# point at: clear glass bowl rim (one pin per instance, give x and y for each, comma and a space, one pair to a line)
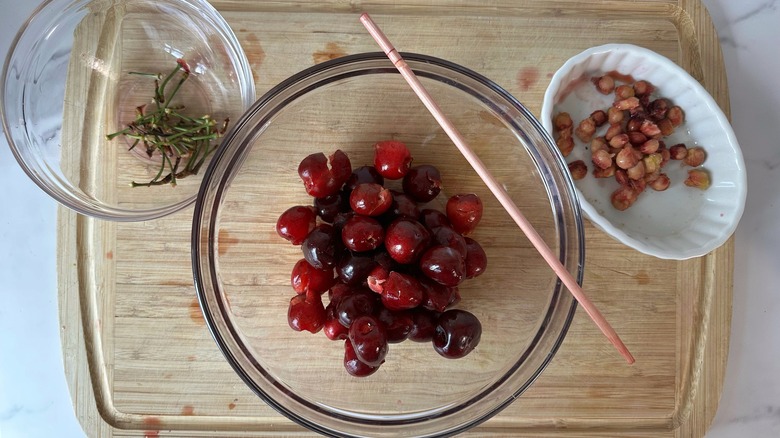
233, 141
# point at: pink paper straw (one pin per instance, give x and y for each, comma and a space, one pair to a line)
495, 187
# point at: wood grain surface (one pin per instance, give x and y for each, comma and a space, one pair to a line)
140, 362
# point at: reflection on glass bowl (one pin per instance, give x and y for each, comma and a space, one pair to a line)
242, 267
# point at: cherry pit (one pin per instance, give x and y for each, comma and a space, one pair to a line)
389, 262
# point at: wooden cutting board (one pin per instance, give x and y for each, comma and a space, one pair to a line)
139, 360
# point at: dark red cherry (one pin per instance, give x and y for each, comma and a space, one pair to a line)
355, 305
433, 218
404, 206
362, 233
296, 223
446, 236
457, 333
476, 259
406, 239
321, 179
385, 260
341, 219
436, 297
333, 329
423, 325
353, 365
464, 212
338, 292
422, 183
401, 292
354, 269
369, 340
392, 159
307, 278
370, 199
306, 312
364, 174
443, 265
397, 324
454, 297
377, 278
322, 248
328, 207
341, 167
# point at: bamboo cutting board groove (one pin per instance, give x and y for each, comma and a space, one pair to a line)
138, 357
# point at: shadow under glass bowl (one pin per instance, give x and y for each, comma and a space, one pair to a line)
242, 267
67, 84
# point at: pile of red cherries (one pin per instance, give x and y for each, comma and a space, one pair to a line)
391, 268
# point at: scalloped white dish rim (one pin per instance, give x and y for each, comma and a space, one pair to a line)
721, 205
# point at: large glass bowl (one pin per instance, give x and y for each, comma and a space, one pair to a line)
67, 84
242, 267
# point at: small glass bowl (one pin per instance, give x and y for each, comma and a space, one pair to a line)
242, 267
66, 85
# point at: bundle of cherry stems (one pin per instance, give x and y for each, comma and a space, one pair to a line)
495, 187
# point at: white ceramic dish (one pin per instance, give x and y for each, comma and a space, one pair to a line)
681, 222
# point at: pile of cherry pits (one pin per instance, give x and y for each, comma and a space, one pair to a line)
390, 267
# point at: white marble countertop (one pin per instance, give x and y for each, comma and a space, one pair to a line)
34, 400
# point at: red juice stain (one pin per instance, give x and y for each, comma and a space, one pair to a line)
110, 255
616, 75
642, 277
572, 85
152, 422
254, 52
332, 51
187, 410
231, 406
527, 77
225, 241
195, 314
